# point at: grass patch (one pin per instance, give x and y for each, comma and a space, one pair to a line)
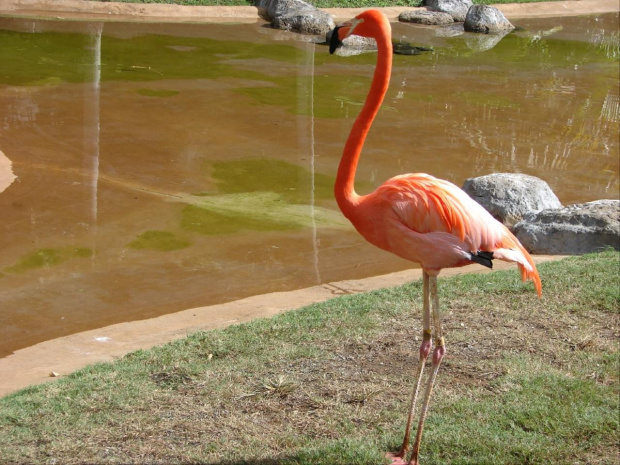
525, 381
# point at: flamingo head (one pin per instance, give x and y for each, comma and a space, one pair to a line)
370, 23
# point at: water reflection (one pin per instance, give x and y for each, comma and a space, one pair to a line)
162, 167
483, 42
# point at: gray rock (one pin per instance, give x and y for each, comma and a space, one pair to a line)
429, 18
575, 229
295, 15
455, 8
269, 9
308, 22
510, 196
487, 20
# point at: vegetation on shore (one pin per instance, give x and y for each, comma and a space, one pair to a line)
525, 380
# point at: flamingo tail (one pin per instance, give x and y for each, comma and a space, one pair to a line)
512, 251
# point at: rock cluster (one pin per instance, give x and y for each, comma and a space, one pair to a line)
297, 15
529, 207
477, 18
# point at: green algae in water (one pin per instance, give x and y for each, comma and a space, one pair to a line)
43, 58
157, 92
159, 240
37, 259
47, 257
486, 99
304, 96
35, 58
527, 52
261, 194
258, 211
291, 181
81, 252
51, 57
203, 220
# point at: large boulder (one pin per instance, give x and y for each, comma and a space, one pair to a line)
429, 18
510, 196
575, 229
307, 22
295, 15
487, 20
455, 8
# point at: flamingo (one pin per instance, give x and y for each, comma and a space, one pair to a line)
419, 218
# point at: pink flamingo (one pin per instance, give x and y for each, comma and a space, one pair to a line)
417, 217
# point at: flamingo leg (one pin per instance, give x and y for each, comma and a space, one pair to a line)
438, 354
425, 349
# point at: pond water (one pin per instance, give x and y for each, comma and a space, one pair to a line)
150, 168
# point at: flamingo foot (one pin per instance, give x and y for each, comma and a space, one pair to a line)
396, 460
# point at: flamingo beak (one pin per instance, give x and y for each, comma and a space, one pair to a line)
341, 32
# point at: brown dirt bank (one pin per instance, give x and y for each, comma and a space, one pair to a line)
111, 11
34, 364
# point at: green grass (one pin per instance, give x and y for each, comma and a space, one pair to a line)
525, 381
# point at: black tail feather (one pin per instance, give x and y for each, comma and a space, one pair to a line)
483, 258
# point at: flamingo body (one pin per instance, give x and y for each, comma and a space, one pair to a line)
434, 223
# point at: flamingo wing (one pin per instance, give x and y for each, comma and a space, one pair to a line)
438, 217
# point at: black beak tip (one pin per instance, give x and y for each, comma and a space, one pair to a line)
334, 41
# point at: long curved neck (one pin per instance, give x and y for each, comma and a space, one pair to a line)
344, 189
